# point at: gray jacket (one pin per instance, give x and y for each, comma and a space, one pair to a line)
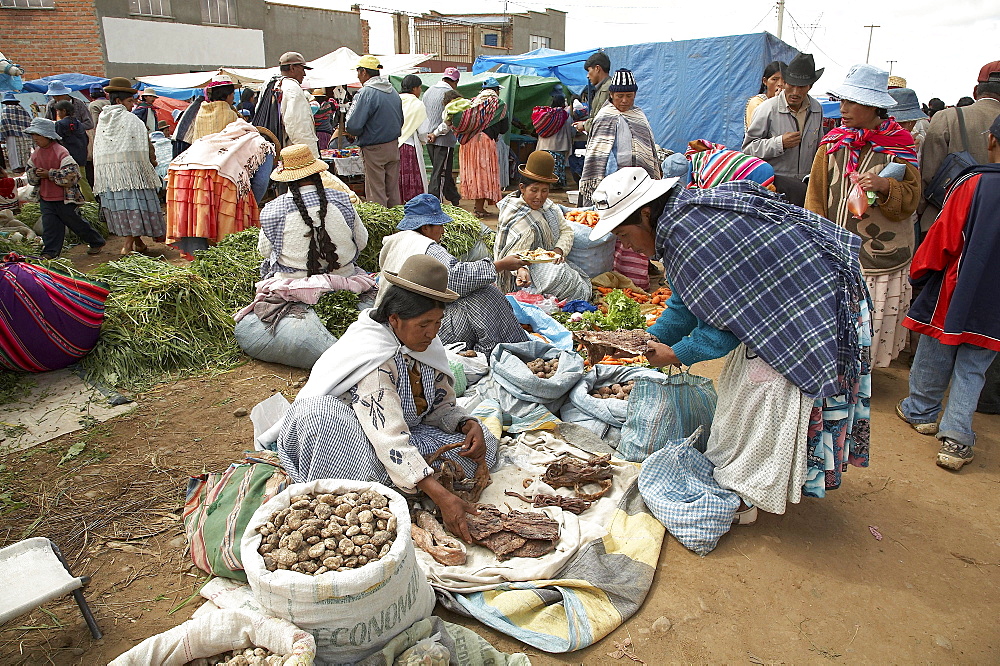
770, 121
433, 102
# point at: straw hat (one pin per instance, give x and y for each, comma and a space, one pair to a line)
424, 275
897, 82
269, 135
119, 84
148, 92
297, 162
540, 166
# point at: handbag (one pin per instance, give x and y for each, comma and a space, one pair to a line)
951, 167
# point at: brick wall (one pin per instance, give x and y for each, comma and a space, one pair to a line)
53, 41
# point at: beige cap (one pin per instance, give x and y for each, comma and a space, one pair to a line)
293, 58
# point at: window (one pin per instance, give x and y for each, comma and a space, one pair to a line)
456, 43
536, 42
27, 4
149, 7
219, 12
491, 39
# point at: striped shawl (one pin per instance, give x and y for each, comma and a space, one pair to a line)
603, 135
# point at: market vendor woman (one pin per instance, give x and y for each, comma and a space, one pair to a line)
481, 318
382, 400
778, 291
529, 220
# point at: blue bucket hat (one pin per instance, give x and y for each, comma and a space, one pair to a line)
420, 210
867, 85
57, 87
907, 107
43, 127
8, 98
491, 82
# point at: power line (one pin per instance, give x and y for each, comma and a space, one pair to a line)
812, 41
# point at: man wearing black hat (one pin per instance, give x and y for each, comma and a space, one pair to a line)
598, 65
786, 129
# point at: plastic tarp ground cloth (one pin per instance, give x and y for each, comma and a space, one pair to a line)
567, 67
698, 88
70, 80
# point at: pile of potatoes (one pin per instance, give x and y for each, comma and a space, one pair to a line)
317, 534
248, 657
615, 391
542, 368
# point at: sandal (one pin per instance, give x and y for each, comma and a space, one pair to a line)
139, 247
479, 213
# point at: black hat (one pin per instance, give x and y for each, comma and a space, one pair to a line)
995, 128
598, 58
801, 71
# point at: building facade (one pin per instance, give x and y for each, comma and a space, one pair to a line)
459, 39
147, 37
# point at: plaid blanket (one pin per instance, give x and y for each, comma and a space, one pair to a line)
785, 281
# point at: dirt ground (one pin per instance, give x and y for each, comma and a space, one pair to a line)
812, 585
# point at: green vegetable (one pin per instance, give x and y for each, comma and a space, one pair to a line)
159, 320
337, 310
623, 312
232, 267
30, 214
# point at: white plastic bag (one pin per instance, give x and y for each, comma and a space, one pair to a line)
221, 631
351, 614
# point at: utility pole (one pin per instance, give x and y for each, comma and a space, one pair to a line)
891, 62
781, 16
871, 31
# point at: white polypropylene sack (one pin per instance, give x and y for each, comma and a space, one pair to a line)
221, 631
351, 614
592, 257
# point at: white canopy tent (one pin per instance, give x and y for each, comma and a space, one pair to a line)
338, 68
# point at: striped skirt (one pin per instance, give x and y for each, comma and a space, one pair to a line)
133, 213
479, 170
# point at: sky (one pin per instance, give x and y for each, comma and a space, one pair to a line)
937, 46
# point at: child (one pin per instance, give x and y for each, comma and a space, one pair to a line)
75, 140
55, 176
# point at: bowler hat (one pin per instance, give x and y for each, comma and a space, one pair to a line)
801, 71
420, 210
423, 274
540, 167
57, 87
119, 84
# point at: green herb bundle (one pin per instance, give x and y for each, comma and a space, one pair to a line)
337, 310
159, 320
232, 267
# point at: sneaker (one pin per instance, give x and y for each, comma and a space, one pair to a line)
95, 249
922, 428
953, 455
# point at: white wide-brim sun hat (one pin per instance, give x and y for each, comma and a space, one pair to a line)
867, 85
621, 193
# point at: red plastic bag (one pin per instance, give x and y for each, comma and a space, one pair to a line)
857, 201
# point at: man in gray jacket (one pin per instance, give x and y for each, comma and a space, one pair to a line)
441, 147
376, 120
786, 129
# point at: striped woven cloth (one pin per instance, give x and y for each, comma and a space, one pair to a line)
713, 164
48, 320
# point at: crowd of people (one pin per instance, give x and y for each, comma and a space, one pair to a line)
805, 257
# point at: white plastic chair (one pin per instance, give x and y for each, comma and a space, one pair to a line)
34, 572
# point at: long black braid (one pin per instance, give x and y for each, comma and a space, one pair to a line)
321, 246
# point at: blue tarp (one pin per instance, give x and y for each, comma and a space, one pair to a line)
71, 81
698, 88
567, 67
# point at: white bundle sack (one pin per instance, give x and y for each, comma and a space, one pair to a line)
221, 631
351, 614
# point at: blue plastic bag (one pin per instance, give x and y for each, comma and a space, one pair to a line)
534, 316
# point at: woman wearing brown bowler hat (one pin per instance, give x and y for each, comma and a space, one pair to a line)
381, 400
529, 220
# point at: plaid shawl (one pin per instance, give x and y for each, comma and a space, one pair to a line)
784, 280
543, 224
889, 138
13, 121
602, 141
